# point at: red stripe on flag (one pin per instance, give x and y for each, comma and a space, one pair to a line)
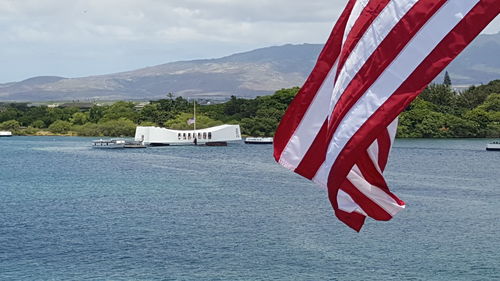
370, 172
298, 107
384, 55
374, 177
363, 22
384, 147
371, 208
353, 220
310, 158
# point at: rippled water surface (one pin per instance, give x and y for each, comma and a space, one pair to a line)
68, 212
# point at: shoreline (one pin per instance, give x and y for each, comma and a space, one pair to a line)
73, 134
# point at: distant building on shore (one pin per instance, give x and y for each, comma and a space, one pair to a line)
80, 105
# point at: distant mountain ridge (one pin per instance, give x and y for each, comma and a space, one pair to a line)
478, 63
248, 74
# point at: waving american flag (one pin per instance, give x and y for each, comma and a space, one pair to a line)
381, 54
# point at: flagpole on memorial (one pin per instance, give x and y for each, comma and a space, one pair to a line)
194, 123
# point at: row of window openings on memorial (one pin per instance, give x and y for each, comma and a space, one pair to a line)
188, 136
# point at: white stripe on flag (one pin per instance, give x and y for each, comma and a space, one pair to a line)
373, 192
310, 125
373, 153
347, 204
356, 11
378, 31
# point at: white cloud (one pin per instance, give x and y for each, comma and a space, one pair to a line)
116, 35
142, 20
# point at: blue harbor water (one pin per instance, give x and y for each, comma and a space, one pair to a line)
68, 212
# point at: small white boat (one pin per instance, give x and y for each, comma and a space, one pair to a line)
252, 140
5, 134
493, 145
134, 144
109, 144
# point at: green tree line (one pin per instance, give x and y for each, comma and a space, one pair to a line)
439, 112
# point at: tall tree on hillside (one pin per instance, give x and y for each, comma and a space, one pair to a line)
447, 79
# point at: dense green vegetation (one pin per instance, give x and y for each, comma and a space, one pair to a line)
438, 112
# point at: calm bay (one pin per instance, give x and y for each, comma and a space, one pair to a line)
68, 212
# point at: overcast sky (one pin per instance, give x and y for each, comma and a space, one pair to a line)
89, 37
